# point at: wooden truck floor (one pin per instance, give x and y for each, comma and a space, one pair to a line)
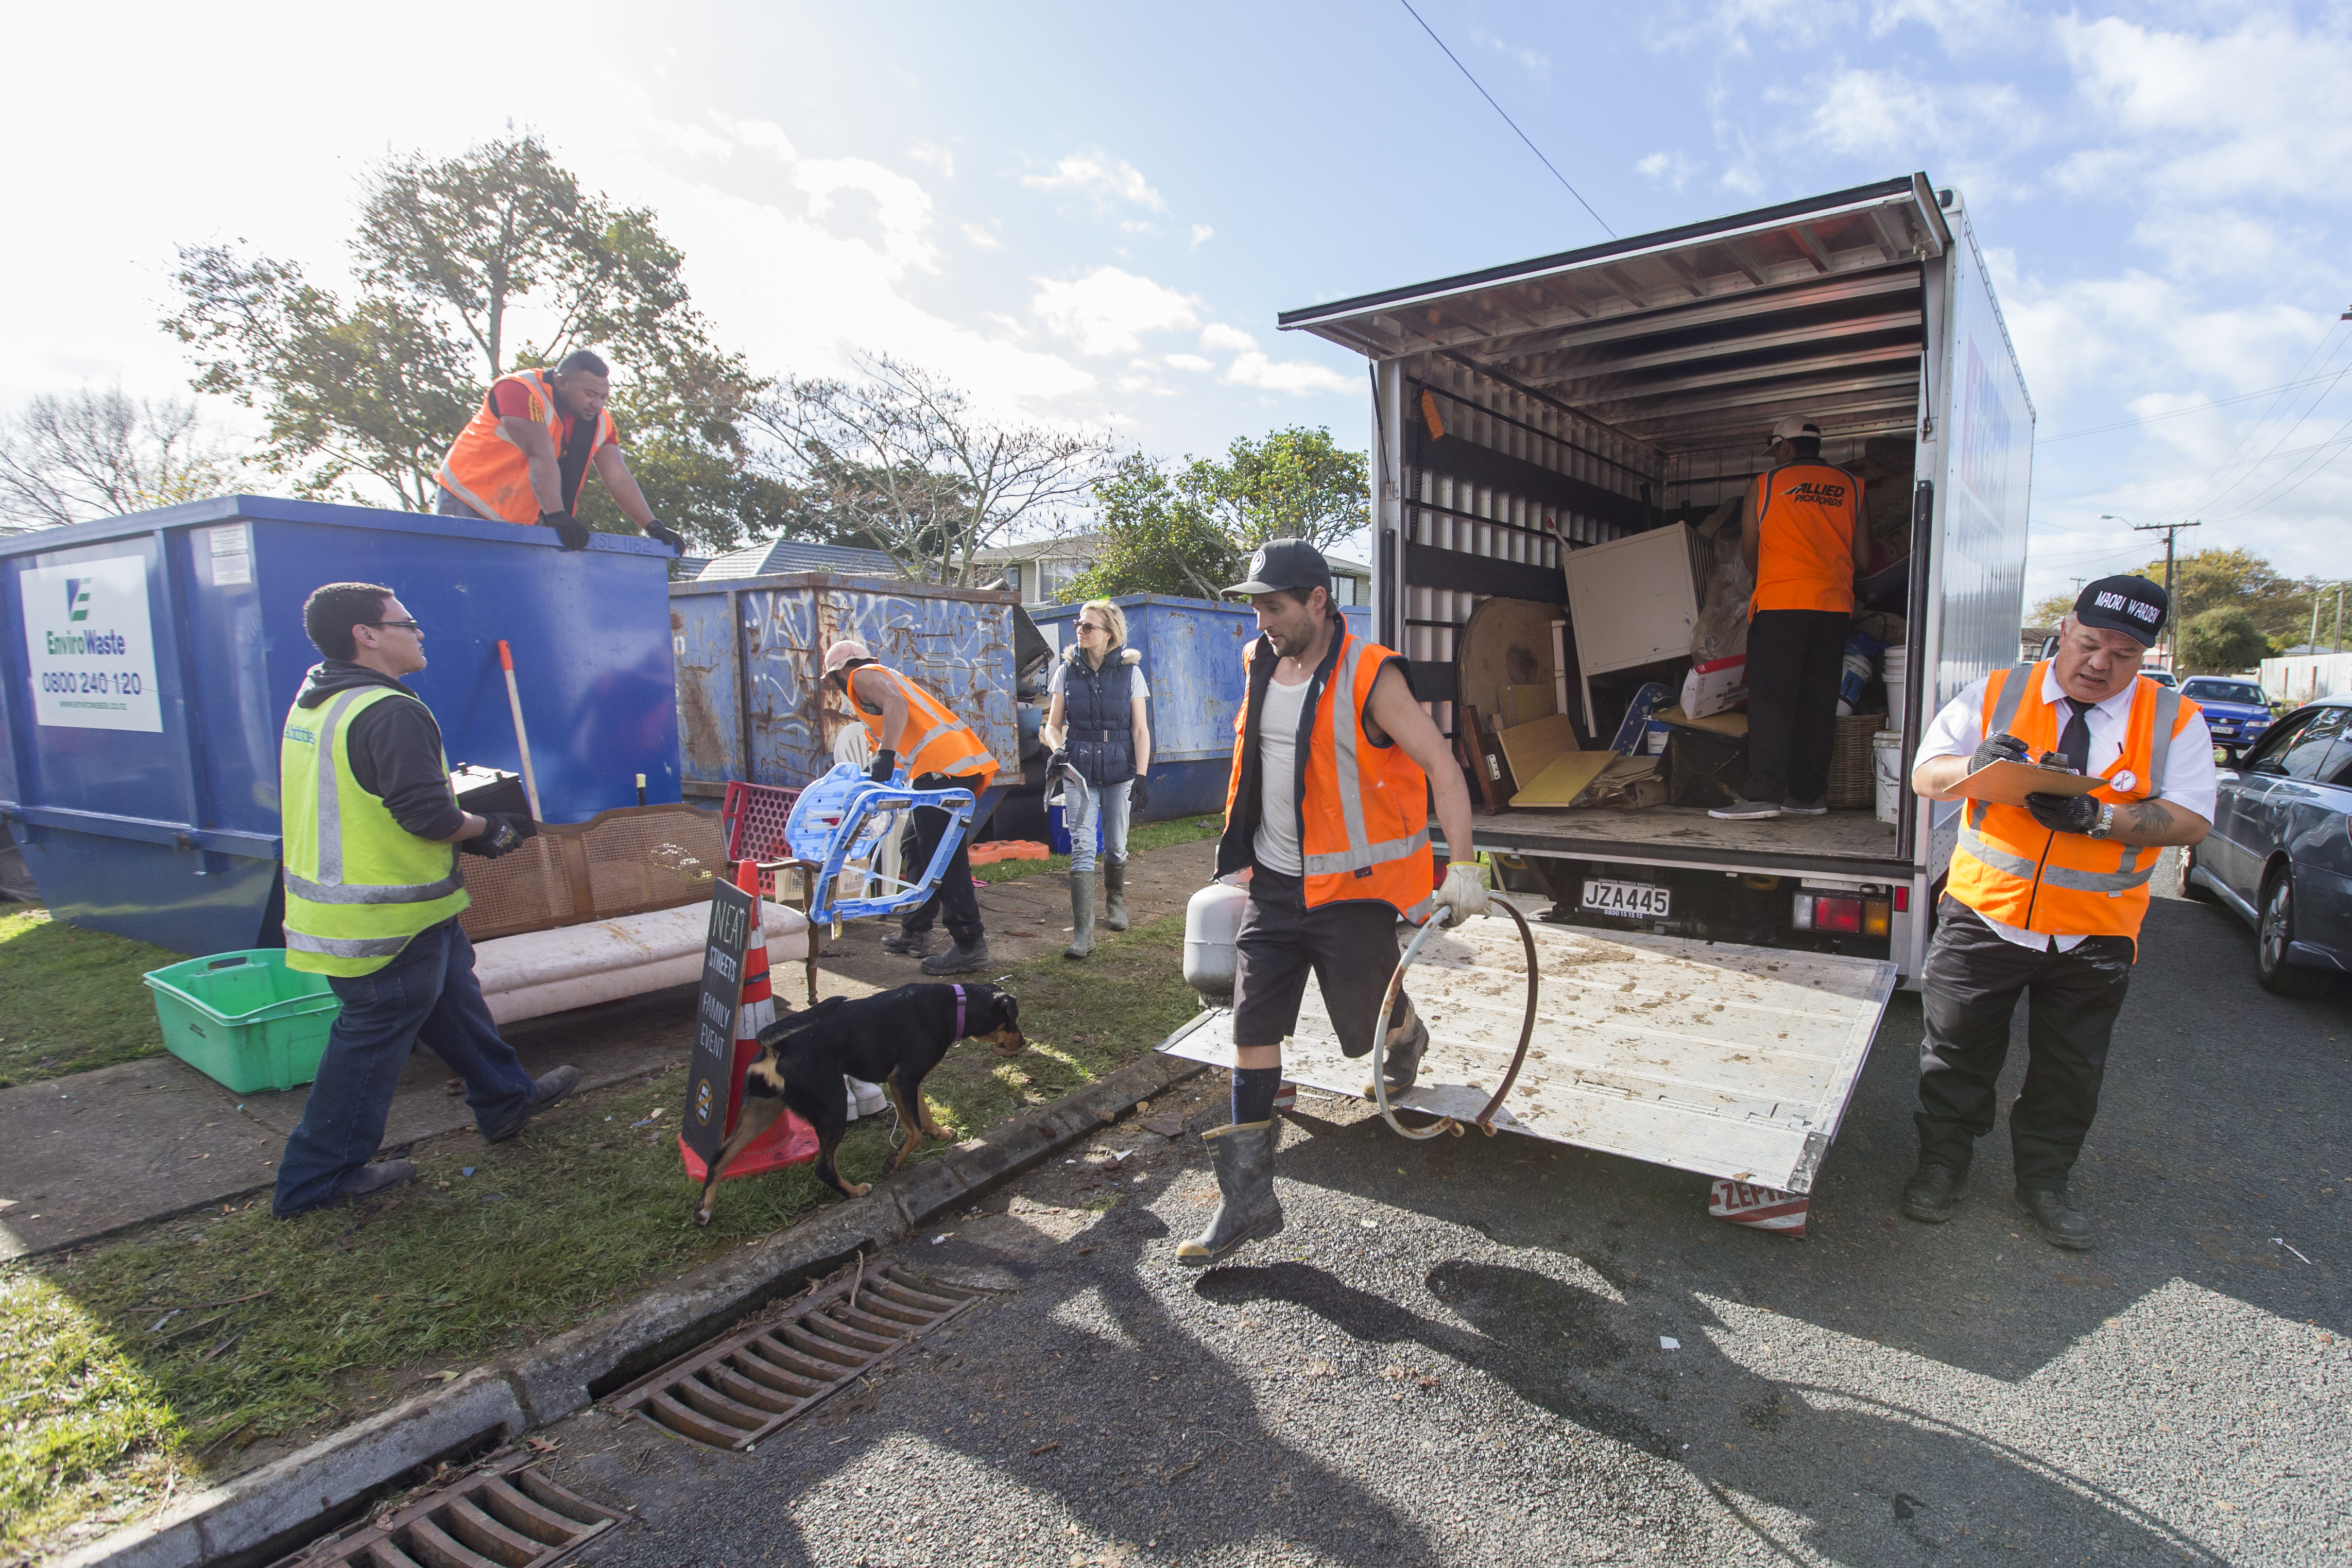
1724, 1059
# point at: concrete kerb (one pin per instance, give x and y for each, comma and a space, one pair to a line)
276, 1508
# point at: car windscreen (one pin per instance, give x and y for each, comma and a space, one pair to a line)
2224, 692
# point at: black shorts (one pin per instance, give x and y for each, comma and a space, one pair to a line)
1351, 947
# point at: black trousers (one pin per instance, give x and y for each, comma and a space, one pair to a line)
1973, 980
954, 894
1349, 947
1795, 658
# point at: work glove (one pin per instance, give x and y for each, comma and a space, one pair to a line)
1139, 797
501, 831
1464, 893
569, 529
657, 529
886, 763
2001, 747
2064, 813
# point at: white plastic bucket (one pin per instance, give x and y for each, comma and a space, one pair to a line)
1886, 772
1895, 669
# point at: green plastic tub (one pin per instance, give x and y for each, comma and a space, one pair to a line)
245, 1020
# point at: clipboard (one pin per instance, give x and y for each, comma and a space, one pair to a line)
2009, 783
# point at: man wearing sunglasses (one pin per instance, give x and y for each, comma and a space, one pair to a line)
371, 837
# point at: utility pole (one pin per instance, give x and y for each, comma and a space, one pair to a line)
2169, 530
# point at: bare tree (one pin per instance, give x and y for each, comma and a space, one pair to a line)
901, 456
101, 454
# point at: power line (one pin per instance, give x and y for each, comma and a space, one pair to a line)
1507, 118
2177, 412
2195, 473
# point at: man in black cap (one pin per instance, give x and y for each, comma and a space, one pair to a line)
2048, 895
1336, 766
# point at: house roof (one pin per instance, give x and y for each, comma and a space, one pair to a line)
783, 556
1033, 549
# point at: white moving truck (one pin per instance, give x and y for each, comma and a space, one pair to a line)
1710, 987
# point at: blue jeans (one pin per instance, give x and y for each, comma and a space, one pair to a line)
450, 506
429, 993
1080, 805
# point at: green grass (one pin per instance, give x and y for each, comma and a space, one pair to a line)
100, 1401
72, 999
1140, 841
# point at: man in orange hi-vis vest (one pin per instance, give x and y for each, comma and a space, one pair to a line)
524, 457
940, 752
2048, 896
1801, 534
1335, 768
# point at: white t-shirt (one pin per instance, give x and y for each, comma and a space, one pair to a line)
2189, 781
1277, 846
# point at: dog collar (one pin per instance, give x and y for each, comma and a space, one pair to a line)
959, 1033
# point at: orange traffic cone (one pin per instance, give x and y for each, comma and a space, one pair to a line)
792, 1141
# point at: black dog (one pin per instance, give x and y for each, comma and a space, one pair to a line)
894, 1040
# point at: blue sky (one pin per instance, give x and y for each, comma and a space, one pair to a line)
1093, 216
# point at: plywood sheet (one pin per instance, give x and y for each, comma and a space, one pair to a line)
1524, 704
1531, 748
1507, 643
1721, 722
1567, 778
1725, 1059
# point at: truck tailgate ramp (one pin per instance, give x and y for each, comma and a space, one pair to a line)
1710, 1057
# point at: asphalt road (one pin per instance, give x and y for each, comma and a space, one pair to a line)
1453, 1354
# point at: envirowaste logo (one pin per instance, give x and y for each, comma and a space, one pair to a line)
78, 597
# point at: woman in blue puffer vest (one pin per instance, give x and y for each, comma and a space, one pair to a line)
1101, 738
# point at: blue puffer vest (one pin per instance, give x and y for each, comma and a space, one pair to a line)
1098, 711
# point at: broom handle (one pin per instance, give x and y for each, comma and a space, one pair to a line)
522, 736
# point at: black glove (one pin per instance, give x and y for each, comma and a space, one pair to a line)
886, 763
657, 529
1139, 795
500, 832
2001, 747
569, 529
2064, 813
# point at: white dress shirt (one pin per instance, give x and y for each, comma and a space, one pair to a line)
2189, 779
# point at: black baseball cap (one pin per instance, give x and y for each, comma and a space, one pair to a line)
2131, 605
1285, 563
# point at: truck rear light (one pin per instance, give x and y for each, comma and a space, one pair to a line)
1902, 900
1802, 912
1876, 921
1835, 915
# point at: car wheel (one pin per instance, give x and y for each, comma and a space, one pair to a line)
2182, 887
2277, 976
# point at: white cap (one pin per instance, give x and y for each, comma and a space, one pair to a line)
1792, 425
841, 652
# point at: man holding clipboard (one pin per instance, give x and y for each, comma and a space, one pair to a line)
2047, 890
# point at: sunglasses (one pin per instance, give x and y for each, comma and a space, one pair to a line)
1091, 626
403, 625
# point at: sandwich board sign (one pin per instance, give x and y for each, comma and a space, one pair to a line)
710, 1080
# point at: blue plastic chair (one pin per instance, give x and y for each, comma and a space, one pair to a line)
840, 819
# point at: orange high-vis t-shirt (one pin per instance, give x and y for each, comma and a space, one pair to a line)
1806, 513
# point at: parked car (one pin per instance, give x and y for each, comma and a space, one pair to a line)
2280, 854
2161, 678
2236, 711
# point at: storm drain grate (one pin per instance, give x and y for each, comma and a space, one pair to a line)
737, 1390
505, 1516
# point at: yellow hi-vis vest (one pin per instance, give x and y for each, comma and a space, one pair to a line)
358, 884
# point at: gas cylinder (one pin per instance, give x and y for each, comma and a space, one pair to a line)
1211, 920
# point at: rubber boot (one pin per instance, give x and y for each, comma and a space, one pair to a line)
958, 959
1082, 914
1115, 894
1244, 1154
1401, 1054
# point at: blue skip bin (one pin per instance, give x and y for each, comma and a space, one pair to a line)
245, 1020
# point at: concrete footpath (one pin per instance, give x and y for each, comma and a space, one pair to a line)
94, 1153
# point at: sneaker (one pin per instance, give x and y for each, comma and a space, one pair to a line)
1747, 810
909, 944
1805, 808
864, 1099
545, 1091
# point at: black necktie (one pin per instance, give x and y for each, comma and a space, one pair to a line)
2074, 743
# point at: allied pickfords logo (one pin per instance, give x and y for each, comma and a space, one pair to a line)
1820, 493
702, 1099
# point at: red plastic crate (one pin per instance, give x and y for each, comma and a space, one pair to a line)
753, 816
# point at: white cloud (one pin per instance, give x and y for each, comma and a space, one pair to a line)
763, 135
1218, 339
1866, 113
938, 157
1252, 366
1669, 169
1097, 174
1107, 311
1193, 362
691, 140
902, 209
1200, 233
979, 237
1532, 60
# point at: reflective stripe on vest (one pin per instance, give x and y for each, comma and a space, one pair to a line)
489, 473
349, 910
946, 745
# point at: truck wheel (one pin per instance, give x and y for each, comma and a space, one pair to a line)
2277, 976
2184, 888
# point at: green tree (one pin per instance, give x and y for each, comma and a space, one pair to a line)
2223, 640
2050, 611
2212, 579
469, 268
1187, 531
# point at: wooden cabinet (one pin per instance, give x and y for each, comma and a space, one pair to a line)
1633, 602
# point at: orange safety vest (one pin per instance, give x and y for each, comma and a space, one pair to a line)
942, 742
1363, 830
489, 473
2010, 868
1806, 513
